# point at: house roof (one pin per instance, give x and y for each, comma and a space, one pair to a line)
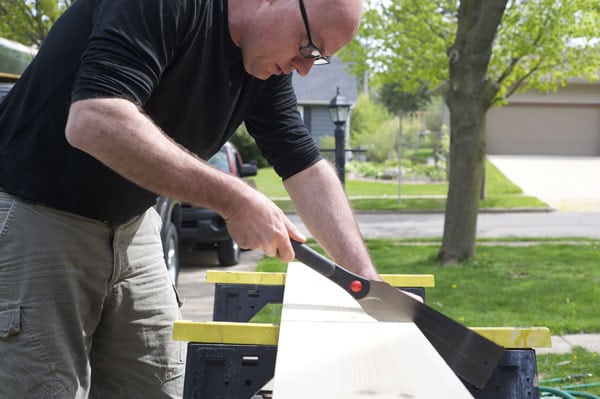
320, 85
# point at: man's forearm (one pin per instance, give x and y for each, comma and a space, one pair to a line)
322, 204
115, 132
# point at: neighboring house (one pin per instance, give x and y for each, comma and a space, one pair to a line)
315, 90
566, 122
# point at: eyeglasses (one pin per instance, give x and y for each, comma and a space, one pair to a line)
310, 50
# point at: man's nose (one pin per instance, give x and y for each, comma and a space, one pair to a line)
303, 65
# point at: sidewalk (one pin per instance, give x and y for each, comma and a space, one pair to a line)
565, 344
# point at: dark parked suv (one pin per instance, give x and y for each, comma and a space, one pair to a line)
7, 80
203, 228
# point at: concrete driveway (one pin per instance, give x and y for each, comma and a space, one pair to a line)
569, 184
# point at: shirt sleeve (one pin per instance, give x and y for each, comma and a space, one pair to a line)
130, 45
279, 130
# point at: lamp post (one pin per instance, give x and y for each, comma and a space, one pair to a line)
338, 110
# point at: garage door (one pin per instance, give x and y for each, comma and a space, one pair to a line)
544, 129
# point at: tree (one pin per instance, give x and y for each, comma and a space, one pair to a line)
28, 21
247, 147
477, 53
397, 101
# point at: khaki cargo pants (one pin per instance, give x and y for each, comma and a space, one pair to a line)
86, 310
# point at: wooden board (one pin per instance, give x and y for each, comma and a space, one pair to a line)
329, 348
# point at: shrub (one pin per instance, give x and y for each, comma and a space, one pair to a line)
388, 169
424, 172
247, 147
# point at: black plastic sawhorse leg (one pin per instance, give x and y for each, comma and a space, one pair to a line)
231, 371
240, 302
515, 377
216, 371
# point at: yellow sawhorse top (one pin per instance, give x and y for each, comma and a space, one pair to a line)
265, 278
268, 334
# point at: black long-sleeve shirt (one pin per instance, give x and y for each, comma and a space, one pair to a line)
173, 58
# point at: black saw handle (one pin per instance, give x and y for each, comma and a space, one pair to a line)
352, 283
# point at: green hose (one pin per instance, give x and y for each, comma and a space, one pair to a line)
578, 386
567, 394
557, 392
583, 395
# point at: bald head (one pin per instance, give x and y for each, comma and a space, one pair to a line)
333, 22
270, 33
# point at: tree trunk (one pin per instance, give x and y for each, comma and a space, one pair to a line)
467, 154
468, 98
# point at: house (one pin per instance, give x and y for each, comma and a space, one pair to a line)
314, 92
566, 122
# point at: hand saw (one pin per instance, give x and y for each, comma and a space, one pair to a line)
471, 356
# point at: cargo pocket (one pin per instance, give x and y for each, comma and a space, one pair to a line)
10, 318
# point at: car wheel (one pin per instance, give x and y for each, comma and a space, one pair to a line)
171, 249
228, 252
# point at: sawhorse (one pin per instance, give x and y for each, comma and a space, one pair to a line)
231, 358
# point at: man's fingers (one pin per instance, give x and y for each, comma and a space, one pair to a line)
285, 252
270, 252
269, 231
293, 232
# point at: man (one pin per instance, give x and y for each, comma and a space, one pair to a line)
99, 124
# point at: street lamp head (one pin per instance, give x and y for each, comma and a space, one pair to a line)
339, 107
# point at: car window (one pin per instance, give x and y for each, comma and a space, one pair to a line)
4, 89
220, 161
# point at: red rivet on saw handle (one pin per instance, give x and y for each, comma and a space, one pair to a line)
356, 286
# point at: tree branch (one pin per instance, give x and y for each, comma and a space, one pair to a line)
523, 78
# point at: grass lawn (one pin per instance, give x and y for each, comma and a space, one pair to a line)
580, 369
383, 195
547, 283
